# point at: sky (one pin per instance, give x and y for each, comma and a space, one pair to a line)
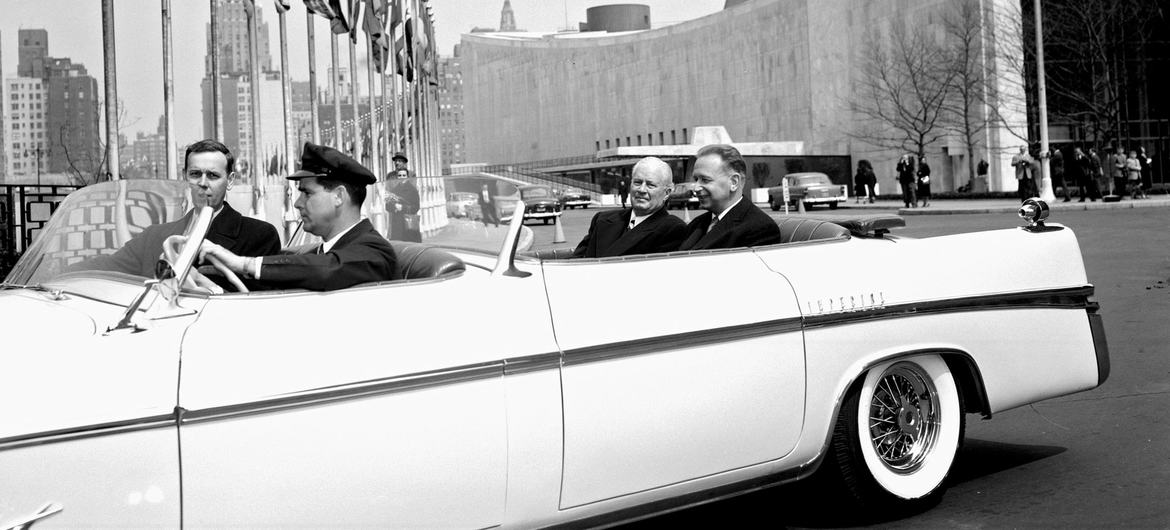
75, 31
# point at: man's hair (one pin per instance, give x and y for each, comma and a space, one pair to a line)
732, 160
210, 146
357, 192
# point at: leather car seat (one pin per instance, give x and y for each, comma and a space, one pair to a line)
796, 229
417, 260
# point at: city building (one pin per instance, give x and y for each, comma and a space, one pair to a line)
235, 89
52, 113
767, 71
452, 137
233, 40
146, 155
507, 17
26, 146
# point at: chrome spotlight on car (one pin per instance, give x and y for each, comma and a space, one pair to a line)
1034, 211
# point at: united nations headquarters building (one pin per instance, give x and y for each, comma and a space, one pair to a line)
844, 79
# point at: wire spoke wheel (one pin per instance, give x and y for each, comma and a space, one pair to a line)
897, 435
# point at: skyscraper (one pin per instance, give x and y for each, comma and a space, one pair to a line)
507, 18
452, 140
53, 109
234, 82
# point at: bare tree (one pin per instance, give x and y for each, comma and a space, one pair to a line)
902, 91
967, 109
1090, 47
88, 166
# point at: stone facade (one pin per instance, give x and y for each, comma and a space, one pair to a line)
767, 70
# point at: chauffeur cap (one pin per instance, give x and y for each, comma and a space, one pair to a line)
326, 162
399, 156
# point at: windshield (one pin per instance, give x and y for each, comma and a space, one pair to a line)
95, 223
535, 193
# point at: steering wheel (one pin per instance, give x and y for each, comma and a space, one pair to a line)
228, 274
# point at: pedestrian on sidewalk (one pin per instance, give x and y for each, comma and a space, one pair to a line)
1117, 187
907, 180
1096, 171
1133, 169
1080, 171
924, 182
1023, 164
1147, 169
1059, 178
863, 181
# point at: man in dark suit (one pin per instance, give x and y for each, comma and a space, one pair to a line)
402, 202
209, 168
644, 228
333, 187
730, 220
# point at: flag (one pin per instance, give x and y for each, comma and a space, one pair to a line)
375, 26
427, 48
353, 10
403, 29
330, 9
282, 6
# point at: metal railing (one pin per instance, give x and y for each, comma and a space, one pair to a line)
24, 210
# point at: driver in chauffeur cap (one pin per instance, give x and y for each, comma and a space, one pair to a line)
333, 187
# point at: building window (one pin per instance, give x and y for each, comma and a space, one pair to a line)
628, 141
607, 144
617, 142
639, 139
661, 138
673, 140
597, 147
684, 135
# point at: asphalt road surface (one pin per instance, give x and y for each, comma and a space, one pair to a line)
1096, 459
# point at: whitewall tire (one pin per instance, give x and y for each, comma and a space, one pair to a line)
898, 433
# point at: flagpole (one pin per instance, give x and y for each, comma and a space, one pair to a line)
336, 83
313, 111
168, 93
353, 95
285, 93
217, 115
110, 68
257, 164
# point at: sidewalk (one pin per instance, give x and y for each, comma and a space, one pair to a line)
960, 206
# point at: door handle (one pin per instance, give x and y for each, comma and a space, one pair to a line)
26, 522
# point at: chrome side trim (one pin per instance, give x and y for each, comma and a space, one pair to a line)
532, 363
1068, 298
88, 431
333, 394
630, 348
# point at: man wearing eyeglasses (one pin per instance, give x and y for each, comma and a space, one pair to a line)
209, 169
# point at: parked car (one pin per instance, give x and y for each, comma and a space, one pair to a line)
683, 196
462, 204
809, 188
572, 199
139, 402
540, 203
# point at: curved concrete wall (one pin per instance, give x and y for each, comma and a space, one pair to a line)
767, 70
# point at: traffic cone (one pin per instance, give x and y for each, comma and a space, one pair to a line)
559, 234
799, 206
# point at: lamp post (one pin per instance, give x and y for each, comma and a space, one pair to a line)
38, 152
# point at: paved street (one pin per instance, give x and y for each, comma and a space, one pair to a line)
1096, 459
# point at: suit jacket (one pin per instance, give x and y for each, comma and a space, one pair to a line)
361, 255
660, 232
408, 197
745, 225
243, 236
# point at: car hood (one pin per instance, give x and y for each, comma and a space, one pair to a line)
32, 314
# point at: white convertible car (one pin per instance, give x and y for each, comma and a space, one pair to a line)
480, 390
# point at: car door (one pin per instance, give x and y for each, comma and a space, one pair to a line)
675, 368
87, 420
380, 406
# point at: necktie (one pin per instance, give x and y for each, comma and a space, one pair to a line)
631, 225
714, 220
